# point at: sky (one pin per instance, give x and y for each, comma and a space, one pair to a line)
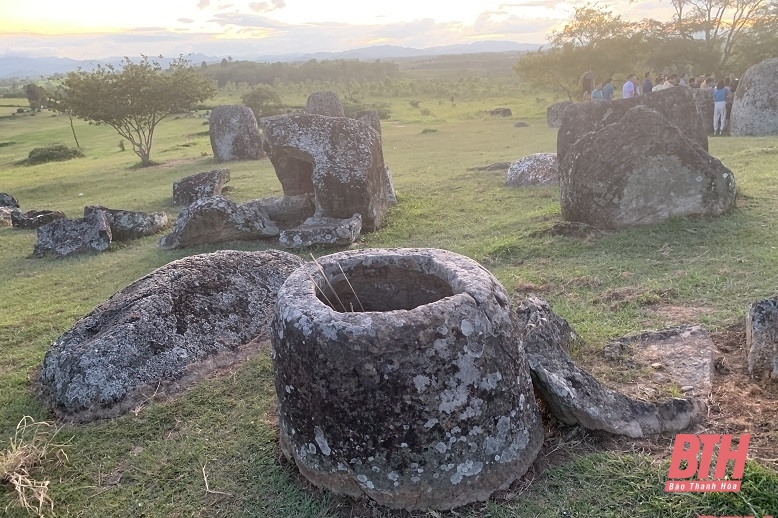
92, 29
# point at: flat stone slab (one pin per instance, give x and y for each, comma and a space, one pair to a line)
322, 231
683, 355
65, 237
35, 218
128, 224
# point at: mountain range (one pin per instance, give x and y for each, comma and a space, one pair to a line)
26, 67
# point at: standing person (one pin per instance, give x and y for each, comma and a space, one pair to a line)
597, 94
719, 108
587, 84
684, 79
607, 90
671, 81
648, 86
659, 84
629, 88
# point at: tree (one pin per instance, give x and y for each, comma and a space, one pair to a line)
263, 100
134, 98
36, 96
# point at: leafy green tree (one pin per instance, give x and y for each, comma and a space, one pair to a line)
134, 98
36, 96
264, 101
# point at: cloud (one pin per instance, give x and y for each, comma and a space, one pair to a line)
495, 22
247, 20
265, 7
202, 4
548, 4
186, 20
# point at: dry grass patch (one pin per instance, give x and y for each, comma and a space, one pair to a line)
32, 443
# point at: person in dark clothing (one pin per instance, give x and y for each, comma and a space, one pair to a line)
647, 84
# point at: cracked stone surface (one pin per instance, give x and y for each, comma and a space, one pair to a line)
66, 237
324, 103
535, 169
128, 224
576, 397
621, 177
322, 231
218, 220
198, 186
685, 355
339, 160
755, 106
6, 200
554, 113
762, 339
234, 134
422, 400
34, 218
148, 335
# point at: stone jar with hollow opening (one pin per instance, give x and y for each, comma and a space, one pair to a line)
399, 376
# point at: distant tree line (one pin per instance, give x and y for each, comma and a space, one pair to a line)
704, 36
253, 73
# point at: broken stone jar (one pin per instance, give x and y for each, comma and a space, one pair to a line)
398, 376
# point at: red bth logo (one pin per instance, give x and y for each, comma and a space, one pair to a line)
687, 447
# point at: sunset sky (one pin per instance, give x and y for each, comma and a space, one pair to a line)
86, 29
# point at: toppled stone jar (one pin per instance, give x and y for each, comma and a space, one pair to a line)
398, 377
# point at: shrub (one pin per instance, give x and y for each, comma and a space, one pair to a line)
52, 153
425, 111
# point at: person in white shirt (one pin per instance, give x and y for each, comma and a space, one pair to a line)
629, 89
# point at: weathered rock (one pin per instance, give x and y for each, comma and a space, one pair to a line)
6, 200
536, 169
703, 98
198, 186
422, 400
127, 224
501, 112
5, 217
67, 237
762, 339
576, 397
684, 353
755, 106
371, 118
676, 105
628, 174
322, 231
234, 134
286, 211
217, 220
391, 196
336, 158
35, 218
520, 124
554, 114
182, 317
324, 103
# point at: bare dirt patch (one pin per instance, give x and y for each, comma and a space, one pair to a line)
674, 315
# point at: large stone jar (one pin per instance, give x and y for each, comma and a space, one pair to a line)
398, 376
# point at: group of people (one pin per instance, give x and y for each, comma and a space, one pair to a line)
722, 91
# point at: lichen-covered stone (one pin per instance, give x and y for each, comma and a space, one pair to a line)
676, 105
418, 398
34, 218
218, 220
501, 112
324, 103
576, 397
762, 339
322, 231
6, 200
67, 237
535, 169
755, 106
628, 174
554, 113
5, 217
198, 186
149, 335
127, 224
234, 134
337, 159
369, 117
286, 211
703, 99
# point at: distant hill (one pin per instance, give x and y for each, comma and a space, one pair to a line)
24, 67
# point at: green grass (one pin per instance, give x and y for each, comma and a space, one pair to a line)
222, 424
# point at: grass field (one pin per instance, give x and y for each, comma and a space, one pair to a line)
152, 462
